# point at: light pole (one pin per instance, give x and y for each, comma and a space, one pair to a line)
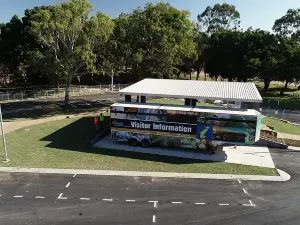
3, 137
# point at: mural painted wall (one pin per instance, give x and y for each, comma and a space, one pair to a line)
182, 129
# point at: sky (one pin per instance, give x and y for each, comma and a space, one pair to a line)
256, 13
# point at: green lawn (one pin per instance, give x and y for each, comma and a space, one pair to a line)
271, 97
178, 102
65, 144
281, 126
285, 102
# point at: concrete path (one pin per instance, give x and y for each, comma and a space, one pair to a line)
294, 148
283, 176
15, 125
288, 136
246, 155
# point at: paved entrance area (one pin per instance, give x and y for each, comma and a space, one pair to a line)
246, 155
84, 199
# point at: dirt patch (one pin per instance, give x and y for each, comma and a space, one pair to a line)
290, 142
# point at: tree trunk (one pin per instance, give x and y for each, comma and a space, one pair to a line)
286, 84
67, 95
191, 75
67, 89
198, 73
205, 75
266, 84
112, 79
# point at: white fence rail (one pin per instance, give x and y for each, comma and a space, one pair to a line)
40, 93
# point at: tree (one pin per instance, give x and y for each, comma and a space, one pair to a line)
100, 30
12, 52
289, 61
263, 55
202, 44
65, 33
289, 24
288, 30
225, 56
158, 38
4, 74
219, 17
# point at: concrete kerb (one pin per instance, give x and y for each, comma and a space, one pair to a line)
283, 176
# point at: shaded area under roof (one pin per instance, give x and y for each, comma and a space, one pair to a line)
211, 90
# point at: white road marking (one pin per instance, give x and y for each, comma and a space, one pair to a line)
247, 205
245, 191
18, 196
200, 203
223, 204
60, 196
176, 202
74, 175
154, 219
155, 203
68, 184
39, 197
251, 203
239, 181
107, 199
129, 200
85, 199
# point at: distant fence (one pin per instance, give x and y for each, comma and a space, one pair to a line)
292, 116
19, 94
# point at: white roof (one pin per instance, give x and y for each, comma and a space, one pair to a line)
212, 90
249, 112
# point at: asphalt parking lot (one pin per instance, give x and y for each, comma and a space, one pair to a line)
79, 102
85, 199
142, 200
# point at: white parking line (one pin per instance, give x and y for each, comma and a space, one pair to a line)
223, 204
239, 181
60, 197
245, 191
129, 200
200, 203
74, 175
18, 196
251, 203
68, 184
176, 202
247, 205
39, 197
107, 199
86, 199
155, 203
154, 219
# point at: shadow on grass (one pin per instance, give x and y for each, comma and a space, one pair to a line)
77, 136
